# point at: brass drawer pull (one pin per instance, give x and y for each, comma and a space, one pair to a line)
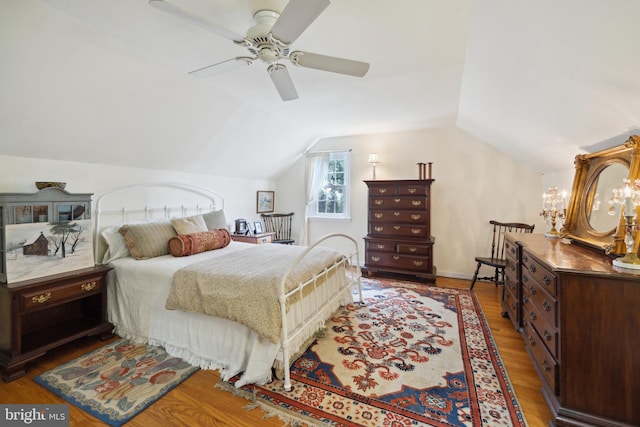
397, 200
378, 202
378, 229
413, 249
382, 190
546, 306
546, 280
380, 246
41, 299
396, 213
397, 227
416, 217
412, 190
418, 263
378, 215
416, 230
546, 365
532, 290
533, 268
396, 257
416, 202
547, 335
532, 315
88, 286
375, 258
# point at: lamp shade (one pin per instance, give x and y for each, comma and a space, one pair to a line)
373, 158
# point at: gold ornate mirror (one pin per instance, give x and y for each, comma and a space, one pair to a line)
588, 221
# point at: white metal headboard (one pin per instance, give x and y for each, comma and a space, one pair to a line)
152, 201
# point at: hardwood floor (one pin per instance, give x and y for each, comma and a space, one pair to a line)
196, 402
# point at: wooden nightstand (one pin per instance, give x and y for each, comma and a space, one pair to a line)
256, 239
40, 314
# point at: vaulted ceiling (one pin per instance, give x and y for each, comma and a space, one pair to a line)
106, 81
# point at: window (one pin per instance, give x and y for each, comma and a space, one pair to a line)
332, 200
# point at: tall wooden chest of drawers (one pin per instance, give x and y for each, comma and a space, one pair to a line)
399, 228
581, 325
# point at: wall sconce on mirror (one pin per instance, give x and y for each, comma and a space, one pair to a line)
373, 160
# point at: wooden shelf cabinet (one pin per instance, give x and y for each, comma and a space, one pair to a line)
581, 326
399, 237
40, 314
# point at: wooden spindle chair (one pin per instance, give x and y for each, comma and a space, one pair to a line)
280, 224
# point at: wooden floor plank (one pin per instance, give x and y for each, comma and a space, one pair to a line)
196, 402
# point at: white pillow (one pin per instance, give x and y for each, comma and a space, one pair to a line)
116, 246
189, 225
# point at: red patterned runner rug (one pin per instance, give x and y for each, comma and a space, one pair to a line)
412, 355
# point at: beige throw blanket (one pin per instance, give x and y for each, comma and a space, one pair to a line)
244, 285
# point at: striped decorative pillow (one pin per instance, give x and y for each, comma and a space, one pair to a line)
148, 240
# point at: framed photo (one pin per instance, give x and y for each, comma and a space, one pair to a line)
258, 226
265, 201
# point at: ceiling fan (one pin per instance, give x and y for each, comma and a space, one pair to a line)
270, 41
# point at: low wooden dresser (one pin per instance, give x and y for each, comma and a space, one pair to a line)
40, 314
580, 318
399, 228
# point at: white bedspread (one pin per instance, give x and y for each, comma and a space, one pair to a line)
137, 294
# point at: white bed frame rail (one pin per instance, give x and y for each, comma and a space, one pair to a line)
352, 269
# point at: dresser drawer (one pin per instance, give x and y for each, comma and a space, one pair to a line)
511, 302
397, 230
547, 304
412, 190
404, 262
547, 333
399, 202
43, 298
547, 279
510, 250
413, 249
395, 216
380, 246
386, 190
545, 363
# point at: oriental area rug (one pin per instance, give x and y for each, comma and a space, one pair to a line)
411, 355
118, 381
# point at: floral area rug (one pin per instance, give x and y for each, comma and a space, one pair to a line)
118, 381
412, 355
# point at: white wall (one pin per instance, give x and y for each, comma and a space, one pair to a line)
19, 175
473, 184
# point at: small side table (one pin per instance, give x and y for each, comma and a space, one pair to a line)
256, 239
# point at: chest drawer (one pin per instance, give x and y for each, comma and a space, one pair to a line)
380, 246
411, 249
545, 363
406, 262
398, 230
35, 300
398, 202
395, 216
547, 304
544, 277
547, 332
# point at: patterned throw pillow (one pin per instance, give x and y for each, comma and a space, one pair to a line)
189, 244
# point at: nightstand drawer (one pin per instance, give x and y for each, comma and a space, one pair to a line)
51, 296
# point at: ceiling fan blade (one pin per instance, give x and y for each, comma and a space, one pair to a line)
282, 80
329, 63
201, 22
221, 67
296, 17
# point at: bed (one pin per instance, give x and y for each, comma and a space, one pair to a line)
209, 307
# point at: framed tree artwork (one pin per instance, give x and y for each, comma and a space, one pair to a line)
265, 201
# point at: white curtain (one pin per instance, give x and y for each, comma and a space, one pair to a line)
316, 168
